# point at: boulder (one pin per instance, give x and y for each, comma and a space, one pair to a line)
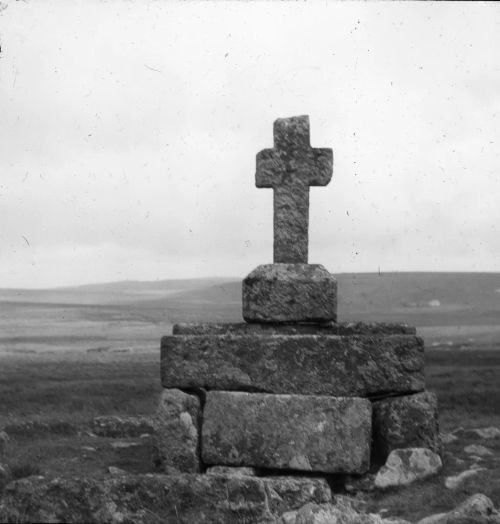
404, 466
410, 421
143, 499
308, 433
477, 509
478, 450
337, 366
176, 432
119, 427
269, 328
290, 293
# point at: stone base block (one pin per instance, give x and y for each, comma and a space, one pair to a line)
348, 366
410, 421
290, 293
307, 433
176, 432
143, 499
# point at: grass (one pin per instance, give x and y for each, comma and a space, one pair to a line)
47, 402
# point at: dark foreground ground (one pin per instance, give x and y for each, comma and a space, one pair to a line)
48, 400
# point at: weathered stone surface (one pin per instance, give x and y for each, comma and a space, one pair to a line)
231, 471
410, 421
477, 509
290, 167
289, 293
404, 466
335, 513
176, 432
144, 499
308, 433
4, 442
302, 364
117, 427
5, 476
325, 328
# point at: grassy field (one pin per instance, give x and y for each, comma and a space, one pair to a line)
48, 400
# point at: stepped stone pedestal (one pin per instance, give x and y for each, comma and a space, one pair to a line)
291, 390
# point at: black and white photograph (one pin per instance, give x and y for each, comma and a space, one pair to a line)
249, 262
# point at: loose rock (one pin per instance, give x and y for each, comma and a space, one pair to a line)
120, 427
477, 449
404, 466
454, 481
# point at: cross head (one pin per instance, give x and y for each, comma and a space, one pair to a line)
290, 168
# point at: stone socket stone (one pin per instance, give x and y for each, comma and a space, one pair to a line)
410, 421
326, 328
299, 364
176, 432
290, 293
291, 432
143, 499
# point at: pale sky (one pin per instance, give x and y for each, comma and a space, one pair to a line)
128, 135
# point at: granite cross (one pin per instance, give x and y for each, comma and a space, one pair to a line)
290, 167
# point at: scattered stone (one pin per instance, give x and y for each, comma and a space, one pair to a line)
477, 509
484, 433
231, 471
447, 438
290, 293
295, 364
124, 445
289, 168
454, 481
404, 466
477, 449
88, 448
4, 441
324, 328
116, 471
307, 433
120, 427
176, 432
142, 499
406, 422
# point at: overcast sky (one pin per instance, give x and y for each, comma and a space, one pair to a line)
128, 135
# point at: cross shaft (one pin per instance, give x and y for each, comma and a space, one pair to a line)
290, 168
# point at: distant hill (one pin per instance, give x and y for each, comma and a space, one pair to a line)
443, 305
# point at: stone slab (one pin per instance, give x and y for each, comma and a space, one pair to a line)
176, 432
325, 328
410, 421
289, 293
299, 364
298, 432
146, 499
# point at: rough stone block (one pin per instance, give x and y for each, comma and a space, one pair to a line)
143, 499
176, 432
406, 422
290, 293
302, 364
269, 328
308, 433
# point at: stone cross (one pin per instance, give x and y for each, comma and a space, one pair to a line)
290, 167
